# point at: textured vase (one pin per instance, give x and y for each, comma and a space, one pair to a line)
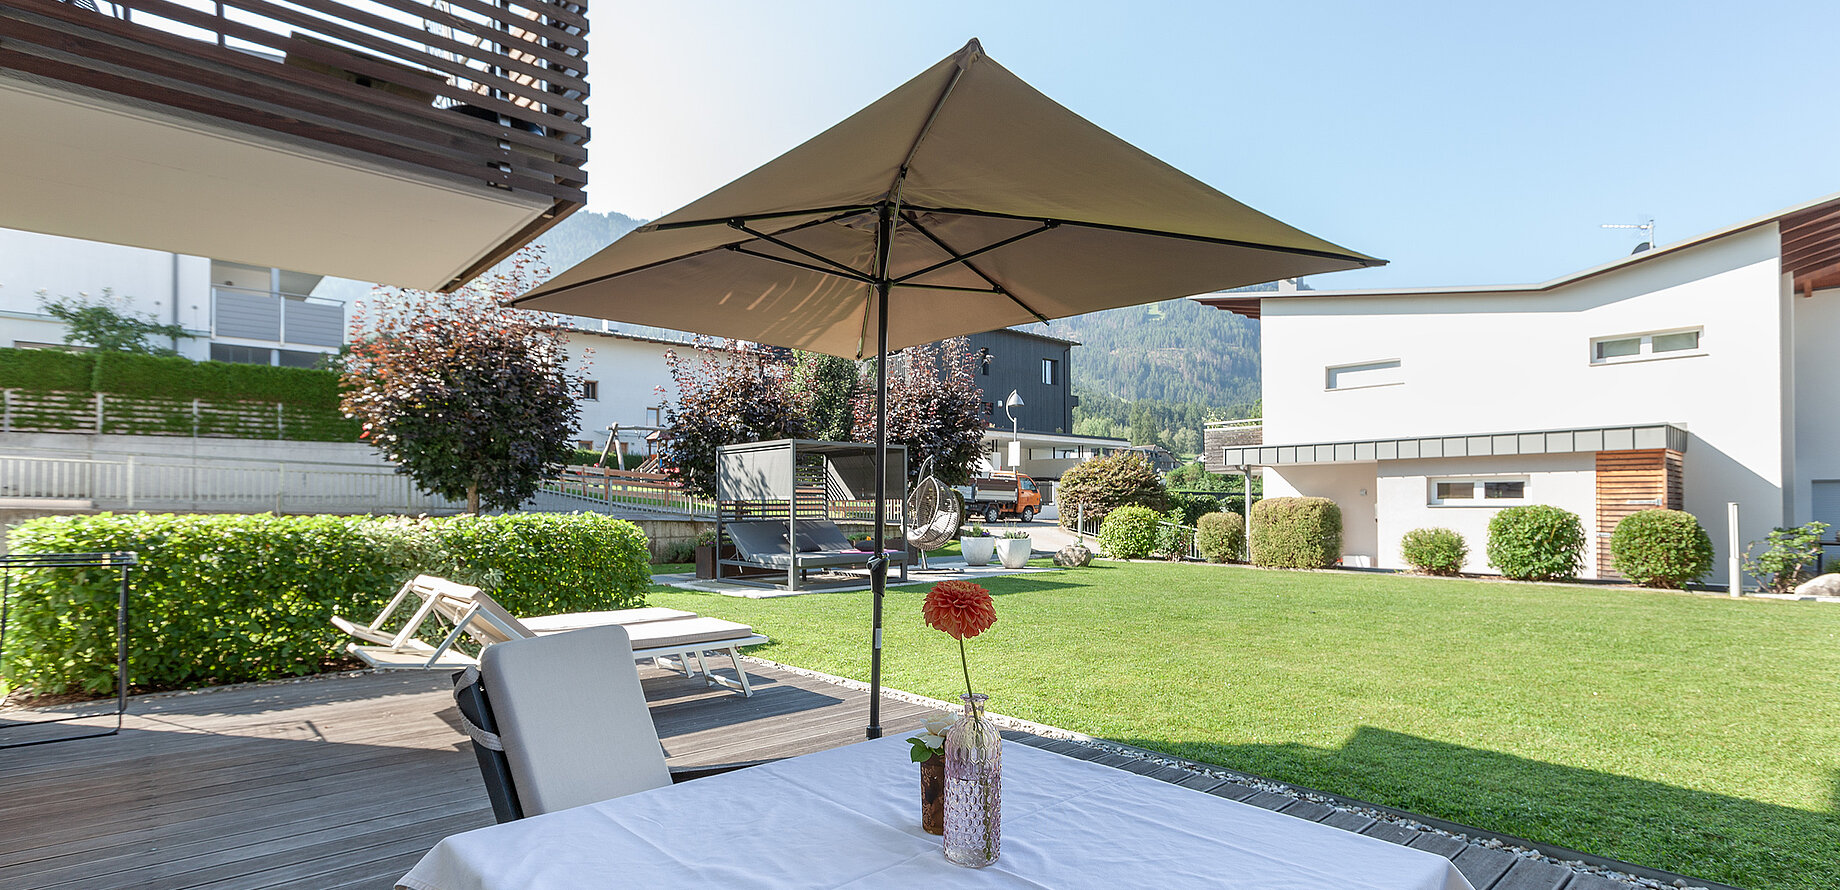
933, 795
974, 787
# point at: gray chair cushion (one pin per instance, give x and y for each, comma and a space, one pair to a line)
759, 540
573, 718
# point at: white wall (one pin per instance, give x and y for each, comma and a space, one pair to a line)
1568, 481
630, 373
1344, 484
31, 262
1502, 362
1816, 418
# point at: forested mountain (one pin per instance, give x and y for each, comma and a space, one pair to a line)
1155, 373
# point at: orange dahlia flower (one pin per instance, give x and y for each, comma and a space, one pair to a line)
959, 608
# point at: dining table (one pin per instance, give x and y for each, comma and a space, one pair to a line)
849, 817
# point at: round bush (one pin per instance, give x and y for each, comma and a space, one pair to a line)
1536, 543
1661, 548
1106, 483
1129, 532
1221, 536
1296, 533
1434, 551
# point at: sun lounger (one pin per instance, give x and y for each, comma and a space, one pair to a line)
765, 544
671, 637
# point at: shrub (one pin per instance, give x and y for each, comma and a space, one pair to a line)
1175, 535
1661, 548
1106, 483
1129, 532
1296, 533
1434, 551
1187, 509
231, 598
1221, 536
1536, 543
1787, 554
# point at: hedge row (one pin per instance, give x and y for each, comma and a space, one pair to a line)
228, 598
1296, 533
48, 370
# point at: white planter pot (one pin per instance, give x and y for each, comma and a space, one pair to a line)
977, 551
1014, 552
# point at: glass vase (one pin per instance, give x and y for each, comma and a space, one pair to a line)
974, 787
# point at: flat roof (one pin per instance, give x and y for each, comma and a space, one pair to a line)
1633, 437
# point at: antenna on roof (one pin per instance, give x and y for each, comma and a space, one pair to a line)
1648, 227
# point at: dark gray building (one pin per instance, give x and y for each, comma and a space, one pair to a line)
1037, 368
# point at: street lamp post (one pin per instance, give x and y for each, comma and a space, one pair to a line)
1015, 429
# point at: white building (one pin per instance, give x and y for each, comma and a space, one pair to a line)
625, 383
234, 312
1688, 376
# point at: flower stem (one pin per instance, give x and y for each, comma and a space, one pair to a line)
966, 664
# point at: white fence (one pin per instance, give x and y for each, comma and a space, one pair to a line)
225, 485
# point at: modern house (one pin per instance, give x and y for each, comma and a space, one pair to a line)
625, 383
1690, 376
1038, 369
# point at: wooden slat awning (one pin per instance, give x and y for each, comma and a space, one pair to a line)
1811, 247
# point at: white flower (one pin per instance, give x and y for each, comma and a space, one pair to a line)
938, 725
935, 742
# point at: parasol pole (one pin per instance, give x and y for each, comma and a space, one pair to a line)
878, 565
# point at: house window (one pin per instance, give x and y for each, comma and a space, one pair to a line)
1494, 491
1365, 374
654, 417
1642, 347
984, 362
590, 390
1048, 370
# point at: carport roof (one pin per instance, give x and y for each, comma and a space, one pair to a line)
1570, 441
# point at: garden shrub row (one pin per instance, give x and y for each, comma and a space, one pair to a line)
1130, 532
128, 374
233, 598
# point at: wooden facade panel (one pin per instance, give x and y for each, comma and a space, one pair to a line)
1629, 482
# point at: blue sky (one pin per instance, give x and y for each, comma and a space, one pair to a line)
1468, 143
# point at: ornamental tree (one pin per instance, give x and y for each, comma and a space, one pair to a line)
934, 408
727, 393
464, 394
1104, 484
107, 324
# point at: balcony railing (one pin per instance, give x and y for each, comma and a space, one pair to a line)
288, 319
485, 93
1229, 433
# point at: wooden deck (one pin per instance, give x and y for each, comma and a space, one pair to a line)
345, 781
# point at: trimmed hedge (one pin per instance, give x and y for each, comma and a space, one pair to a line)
231, 598
1130, 532
1434, 551
1661, 548
1296, 533
1221, 536
46, 370
1537, 542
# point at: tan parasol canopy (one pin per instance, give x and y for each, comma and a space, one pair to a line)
963, 201
1007, 209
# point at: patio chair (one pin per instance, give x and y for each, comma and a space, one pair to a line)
560, 721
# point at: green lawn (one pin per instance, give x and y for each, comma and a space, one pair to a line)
1693, 733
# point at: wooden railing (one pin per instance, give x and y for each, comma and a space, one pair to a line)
655, 492
489, 93
30, 411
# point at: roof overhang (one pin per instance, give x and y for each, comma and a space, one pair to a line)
998, 434
1588, 440
85, 166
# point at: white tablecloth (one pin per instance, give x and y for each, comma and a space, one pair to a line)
850, 817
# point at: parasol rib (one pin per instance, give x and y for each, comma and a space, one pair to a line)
844, 268
957, 257
857, 277
994, 286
